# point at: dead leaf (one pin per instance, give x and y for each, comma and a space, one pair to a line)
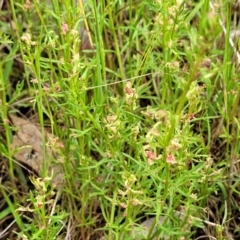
28, 144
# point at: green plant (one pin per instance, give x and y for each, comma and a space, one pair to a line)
128, 130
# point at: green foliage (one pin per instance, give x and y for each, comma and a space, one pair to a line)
135, 119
